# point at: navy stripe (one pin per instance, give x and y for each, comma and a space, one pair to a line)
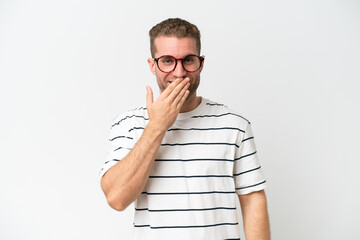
187, 193
184, 144
214, 104
196, 226
220, 115
247, 171
245, 156
127, 118
247, 139
141, 225
140, 108
205, 129
122, 148
251, 185
120, 137
194, 176
185, 210
135, 128
194, 159
113, 160
141, 209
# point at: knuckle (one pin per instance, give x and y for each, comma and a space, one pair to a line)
167, 103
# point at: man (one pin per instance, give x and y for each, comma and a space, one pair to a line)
184, 160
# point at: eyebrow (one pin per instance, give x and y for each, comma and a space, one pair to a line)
177, 58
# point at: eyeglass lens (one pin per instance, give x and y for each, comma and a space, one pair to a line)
190, 63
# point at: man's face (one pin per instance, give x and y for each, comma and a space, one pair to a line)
178, 48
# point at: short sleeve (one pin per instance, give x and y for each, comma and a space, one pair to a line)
121, 140
248, 175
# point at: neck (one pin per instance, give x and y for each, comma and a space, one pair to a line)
191, 103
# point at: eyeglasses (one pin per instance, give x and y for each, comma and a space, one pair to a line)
167, 63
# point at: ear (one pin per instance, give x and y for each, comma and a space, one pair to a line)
202, 64
152, 66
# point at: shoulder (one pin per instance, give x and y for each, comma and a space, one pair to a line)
130, 117
222, 110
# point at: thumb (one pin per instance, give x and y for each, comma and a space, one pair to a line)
149, 96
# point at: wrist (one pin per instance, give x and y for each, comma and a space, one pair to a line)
155, 129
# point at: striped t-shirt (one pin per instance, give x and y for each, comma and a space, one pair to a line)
205, 160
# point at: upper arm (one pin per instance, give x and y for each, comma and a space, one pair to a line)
121, 140
257, 198
248, 175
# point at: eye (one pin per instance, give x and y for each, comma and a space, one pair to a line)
189, 60
167, 60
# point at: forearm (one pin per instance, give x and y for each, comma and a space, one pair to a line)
255, 216
124, 182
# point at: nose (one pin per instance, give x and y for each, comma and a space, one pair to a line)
179, 71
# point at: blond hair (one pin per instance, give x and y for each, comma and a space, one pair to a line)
174, 27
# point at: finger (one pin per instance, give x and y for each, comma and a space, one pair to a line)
149, 96
170, 88
181, 94
177, 89
184, 97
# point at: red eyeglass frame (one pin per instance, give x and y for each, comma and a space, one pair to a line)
202, 58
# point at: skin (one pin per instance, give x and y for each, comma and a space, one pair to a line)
124, 182
255, 215
178, 48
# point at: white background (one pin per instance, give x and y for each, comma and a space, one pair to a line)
67, 68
